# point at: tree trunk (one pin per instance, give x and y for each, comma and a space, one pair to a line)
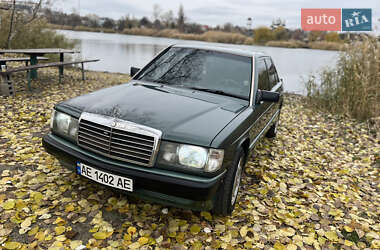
8, 45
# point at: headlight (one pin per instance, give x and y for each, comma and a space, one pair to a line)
64, 125
190, 156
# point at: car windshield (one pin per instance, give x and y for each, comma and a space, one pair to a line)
211, 71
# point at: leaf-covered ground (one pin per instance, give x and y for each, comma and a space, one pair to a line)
315, 186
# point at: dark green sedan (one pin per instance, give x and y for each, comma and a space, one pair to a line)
179, 132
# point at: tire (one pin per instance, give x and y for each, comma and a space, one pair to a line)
272, 132
227, 193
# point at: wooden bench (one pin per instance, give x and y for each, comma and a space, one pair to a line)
6, 82
4, 61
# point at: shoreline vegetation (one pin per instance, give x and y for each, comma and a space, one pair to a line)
352, 87
314, 186
210, 36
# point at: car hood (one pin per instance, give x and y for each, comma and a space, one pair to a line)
183, 115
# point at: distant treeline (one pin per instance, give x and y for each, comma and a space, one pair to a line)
166, 24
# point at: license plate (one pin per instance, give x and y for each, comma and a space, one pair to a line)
111, 180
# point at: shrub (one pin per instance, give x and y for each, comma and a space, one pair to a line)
333, 37
263, 35
326, 45
223, 37
353, 87
31, 35
287, 44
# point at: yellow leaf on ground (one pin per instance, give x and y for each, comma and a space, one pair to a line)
12, 245
37, 196
26, 223
60, 238
331, 235
291, 247
194, 229
75, 243
131, 230
348, 229
278, 246
288, 231
60, 230
308, 240
9, 204
59, 221
134, 245
348, 243
33, 231
243, 231
143, 240
69, 208
375, 244
100, 235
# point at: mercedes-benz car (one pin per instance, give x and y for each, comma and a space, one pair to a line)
179, 132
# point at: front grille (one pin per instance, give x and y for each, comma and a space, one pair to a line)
118, 139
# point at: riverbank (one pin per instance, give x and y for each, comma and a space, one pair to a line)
209, 36
315, 186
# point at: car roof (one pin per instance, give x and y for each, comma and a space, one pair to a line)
228, 50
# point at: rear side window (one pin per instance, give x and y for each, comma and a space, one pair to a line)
272, 73
263, 75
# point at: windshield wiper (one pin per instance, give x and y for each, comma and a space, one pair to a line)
219, 92
160, 81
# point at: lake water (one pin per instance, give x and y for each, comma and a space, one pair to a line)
119, 52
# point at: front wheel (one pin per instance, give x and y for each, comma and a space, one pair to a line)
228, 191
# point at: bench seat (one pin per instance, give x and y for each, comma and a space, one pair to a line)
6, 74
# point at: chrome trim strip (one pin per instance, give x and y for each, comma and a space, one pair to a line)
127, 126
130, 136
252, 82
137, 143
263, 130
129, 146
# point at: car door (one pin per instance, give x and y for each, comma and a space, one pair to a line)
261, 116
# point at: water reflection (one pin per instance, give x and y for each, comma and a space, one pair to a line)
119, 52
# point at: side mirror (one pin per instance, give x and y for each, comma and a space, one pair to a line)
267, 96
134, 70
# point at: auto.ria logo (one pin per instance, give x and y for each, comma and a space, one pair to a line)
356, 20
336, 19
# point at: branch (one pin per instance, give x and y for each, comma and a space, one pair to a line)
34, 12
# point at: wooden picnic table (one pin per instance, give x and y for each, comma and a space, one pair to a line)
5, 60
34, 53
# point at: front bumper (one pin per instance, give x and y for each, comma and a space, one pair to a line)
157, 185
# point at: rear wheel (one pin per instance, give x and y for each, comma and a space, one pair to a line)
228, 191
272, 132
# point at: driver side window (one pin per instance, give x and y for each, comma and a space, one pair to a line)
262, 72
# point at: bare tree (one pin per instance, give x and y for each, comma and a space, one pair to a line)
13, 20
167, 17
181, 19
156, 12
8, 44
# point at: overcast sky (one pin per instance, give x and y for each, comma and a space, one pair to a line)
214, 12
